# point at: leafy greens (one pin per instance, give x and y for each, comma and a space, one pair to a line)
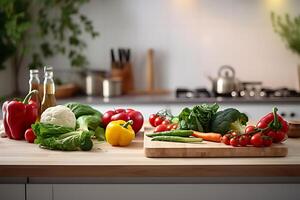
198, 118
62, 138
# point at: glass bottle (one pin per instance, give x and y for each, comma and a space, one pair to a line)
49, 99
34, 84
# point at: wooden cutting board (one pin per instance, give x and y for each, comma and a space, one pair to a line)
158, 149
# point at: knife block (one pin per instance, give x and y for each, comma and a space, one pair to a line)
124, 72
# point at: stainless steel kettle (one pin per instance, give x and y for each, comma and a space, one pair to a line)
226, 81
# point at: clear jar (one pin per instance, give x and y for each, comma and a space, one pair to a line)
34, 83
49, 99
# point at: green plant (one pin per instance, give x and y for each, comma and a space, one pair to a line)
289, 30
39, 29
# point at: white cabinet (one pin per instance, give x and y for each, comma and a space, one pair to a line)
39, 192
148, 191
12, 191
176, 191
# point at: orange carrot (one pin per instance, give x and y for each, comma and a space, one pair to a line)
214, 137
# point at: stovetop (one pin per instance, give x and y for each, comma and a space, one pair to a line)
249, 93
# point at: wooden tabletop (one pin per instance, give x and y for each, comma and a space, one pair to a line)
21, 159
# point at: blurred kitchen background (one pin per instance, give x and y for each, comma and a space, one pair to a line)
190, 39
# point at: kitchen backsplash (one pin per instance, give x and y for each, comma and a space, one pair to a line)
192, 39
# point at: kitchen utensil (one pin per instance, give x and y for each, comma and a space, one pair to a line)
294, 129
156, 149
226, 81
112, 87
115, 65
120, 53
122, 69
112, 56
128, 80
93, 81
150, 77
150, 70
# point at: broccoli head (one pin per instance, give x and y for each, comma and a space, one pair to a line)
229, 120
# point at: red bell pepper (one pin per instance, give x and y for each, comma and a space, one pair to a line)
6, 127
18, 116
274, 126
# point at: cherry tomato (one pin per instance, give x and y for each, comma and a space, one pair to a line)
277, 136
174, 126
234, 141
158, 121
233, 133
267, 141
244, 140
226, 139
166, 122
120, 116
256, 140
169, 126
120, 110
152, 119
29, 135
106, 118
137, 118
250, 129
160, 128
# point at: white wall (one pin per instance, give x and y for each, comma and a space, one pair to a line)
193, 38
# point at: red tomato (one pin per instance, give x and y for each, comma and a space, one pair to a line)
152, 118
234, 141
106, 118
267, 141
120, 116
244, 140
129, 110
138, 120
250, 129
226, 139
277, 136
233, 133
120, 110
158, 121
160, 128
174, 126
169, 126
256, 140
166, 122
29, 135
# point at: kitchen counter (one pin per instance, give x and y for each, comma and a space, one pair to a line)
21, 159
171, 99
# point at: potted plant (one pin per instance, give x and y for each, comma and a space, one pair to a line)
289, 30
36, 30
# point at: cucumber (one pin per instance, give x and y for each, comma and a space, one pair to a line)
179, 133
176, 139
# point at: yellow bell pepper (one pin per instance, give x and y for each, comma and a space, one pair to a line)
119, 133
